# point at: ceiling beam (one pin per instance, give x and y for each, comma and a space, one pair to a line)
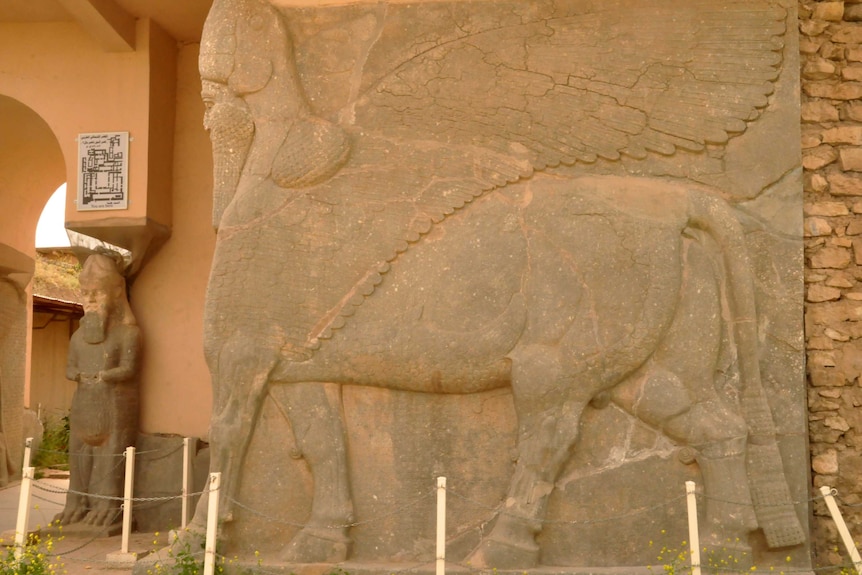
105, 21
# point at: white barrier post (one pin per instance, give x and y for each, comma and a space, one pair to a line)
212, 523
188, 454
127, 498
28, 446
123, 558
441, 526
842, 528
693, 536
23, 511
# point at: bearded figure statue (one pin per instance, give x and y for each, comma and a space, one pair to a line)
104, 360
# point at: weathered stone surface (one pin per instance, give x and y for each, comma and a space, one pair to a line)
852, 111
820, 293
811, 138
809, 45
826, 209
832, 51
831, 11
857, 251
826, 463
13, 356
818, 69
506, 228
819, 342
848, 34
817, 227
851, 159
840, 280
832, 314
819, 111
835, 335
813, 27
844, 91
841, 184
818, 157
829, 257
843, 135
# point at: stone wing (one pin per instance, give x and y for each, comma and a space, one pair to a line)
568, 82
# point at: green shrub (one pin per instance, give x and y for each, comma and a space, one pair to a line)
54, 451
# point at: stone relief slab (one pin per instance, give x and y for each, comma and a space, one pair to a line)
550, 250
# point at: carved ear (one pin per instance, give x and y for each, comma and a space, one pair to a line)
313, 151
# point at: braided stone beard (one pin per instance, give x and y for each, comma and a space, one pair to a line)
94, 327
231, 129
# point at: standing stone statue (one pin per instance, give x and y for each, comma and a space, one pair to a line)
104, 359
13, 321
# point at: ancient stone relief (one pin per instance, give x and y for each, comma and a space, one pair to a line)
104, 360
546, 249
13, 355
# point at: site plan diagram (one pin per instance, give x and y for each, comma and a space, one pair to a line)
103, 171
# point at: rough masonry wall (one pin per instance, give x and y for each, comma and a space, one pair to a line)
831, 60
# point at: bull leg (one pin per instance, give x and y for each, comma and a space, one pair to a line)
319, 430
240, 374
715, 432
549, 408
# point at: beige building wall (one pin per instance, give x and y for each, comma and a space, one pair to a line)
57, 82
50, 391
168, 295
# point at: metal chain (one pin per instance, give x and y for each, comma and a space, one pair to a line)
749, 504
341, 526
37, 485
172, 451
569, 522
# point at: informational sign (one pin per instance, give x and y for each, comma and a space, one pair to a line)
103, 171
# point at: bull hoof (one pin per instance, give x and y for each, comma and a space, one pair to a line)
493, 553
318, 545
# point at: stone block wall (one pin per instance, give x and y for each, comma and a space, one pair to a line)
831, 61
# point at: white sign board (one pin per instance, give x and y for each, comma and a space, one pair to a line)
103, 171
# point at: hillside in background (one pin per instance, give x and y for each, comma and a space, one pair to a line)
56, 276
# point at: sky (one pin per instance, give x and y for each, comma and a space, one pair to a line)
50, 231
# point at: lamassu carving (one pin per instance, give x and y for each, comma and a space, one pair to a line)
429, 204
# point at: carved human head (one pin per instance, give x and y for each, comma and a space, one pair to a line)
102, 285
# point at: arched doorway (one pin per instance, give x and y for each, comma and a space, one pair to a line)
31, 168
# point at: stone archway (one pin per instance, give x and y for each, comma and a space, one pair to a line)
31, 168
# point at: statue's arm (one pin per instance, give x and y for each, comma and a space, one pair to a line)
73, 372
130, 351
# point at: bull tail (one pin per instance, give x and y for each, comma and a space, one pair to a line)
770, 491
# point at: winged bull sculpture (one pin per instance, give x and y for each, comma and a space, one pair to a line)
420, 238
